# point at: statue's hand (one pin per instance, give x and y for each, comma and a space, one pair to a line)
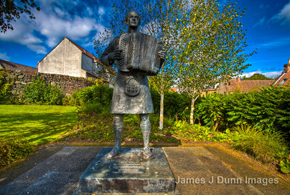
116, 54
161, 54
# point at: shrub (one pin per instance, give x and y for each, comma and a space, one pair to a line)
40, 92
264, 146
13, 149
5, 88
175, 104
94, 94
267, 110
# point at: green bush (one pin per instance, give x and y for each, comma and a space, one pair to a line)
264, 146
196, 132
95, 94
5, 88
40, 92
267, 110
13, 149
175, 104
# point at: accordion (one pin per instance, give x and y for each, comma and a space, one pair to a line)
139, 54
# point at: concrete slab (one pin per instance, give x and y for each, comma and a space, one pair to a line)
129, 172
70, 161
195, 169
203, 173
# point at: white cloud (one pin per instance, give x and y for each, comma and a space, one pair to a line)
260, 22
55, 28
3, 56
272, 74
23, 34
89, 11
249, 74
267, 74
52, 24
101, 11
283, 15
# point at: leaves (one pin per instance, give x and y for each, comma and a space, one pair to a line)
9, 11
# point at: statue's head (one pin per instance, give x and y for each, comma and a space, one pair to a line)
133, 19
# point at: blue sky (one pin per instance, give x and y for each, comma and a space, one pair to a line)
267, 23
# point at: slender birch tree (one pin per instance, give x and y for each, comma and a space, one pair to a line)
212, 43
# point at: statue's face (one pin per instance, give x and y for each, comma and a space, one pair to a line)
133, 19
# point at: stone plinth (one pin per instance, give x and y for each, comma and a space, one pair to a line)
128, 173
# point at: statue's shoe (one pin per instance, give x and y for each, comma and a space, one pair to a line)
115, 151
147, 153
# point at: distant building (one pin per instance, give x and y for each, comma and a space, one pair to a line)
284, 78
238, 85
206, 91
14, 66
233, 85
68, 58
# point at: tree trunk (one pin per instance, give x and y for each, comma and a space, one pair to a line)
161, 100
161, 110
216, 126
192, 110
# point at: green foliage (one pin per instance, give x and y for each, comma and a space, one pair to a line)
285, 166
40, 92
211, 110
197, 132
175, 104
96, 94
13, 149
212, 45
9, 11
264, 146
267, 110
5, 88
257, 76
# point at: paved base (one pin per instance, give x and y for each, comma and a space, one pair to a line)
59, 174
195, 169
128, 172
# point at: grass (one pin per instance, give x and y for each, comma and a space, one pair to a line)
38, 124
95, 125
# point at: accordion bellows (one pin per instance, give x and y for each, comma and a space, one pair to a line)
139, 54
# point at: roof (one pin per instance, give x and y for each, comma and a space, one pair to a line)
14, 66
92, 56
247, 85
283, 79
86, 53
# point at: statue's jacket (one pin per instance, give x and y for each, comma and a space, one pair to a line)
122, 103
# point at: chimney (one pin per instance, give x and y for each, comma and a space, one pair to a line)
287, 67
238, 79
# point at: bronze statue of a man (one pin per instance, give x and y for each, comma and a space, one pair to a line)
131, 90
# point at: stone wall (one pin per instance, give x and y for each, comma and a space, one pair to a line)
66, 83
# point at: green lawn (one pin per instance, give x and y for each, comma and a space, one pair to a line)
39, 124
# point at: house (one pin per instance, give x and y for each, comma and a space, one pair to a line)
207, 90
68, 58
14, 66
238, 85
284, 78
233, 85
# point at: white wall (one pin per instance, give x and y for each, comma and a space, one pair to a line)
64, 59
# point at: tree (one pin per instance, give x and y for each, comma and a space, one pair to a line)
212, 46
257, 76
156, 20
9, 11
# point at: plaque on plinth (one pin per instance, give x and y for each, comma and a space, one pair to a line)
128, 172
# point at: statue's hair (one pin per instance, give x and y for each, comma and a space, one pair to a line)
127, 16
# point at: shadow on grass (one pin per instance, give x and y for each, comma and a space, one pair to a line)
37, 128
